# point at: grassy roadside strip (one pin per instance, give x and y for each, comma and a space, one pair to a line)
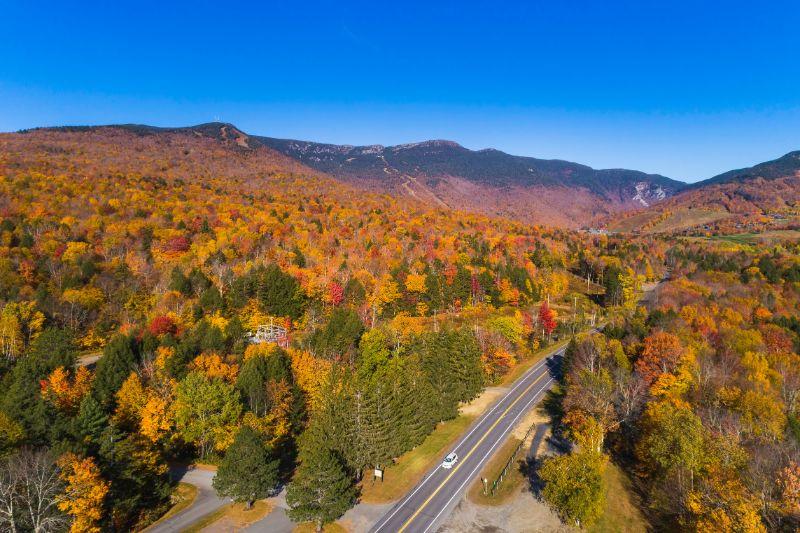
491, 471
308, 527
412, 465
208, 519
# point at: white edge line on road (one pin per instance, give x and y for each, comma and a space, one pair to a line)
480, 421
499, 440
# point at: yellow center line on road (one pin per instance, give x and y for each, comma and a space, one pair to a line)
472, 450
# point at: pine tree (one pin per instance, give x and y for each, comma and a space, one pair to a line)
339, 336
378, 427
335, 417
118, 361
179, 282
91, 419
613, 285
321, 490
249, 471
279, 293
251, 382
466, 362
138, 476
415, 397
451, 363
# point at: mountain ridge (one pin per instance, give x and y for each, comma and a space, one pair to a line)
546, 167
219, 130
780, 167
445, 174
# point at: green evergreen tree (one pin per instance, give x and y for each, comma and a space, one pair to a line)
251, 383
416, 406
235, 340
377, 421
451, 363
179, 282
354, 293
334, 417
434, 291
255, 375
138, 474
91, 419
299, 259
465, 363
613, 285
249, 471
211, 300
461, 289
339, 336
321, 490
21, 398
279, 293
118, 361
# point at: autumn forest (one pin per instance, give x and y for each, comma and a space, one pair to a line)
138, 267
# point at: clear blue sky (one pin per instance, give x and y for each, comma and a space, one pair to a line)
686, 89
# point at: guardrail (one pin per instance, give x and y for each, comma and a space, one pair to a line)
496, 483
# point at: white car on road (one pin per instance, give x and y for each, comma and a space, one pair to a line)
450, 460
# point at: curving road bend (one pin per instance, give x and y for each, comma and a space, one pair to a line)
429, 503
206, 502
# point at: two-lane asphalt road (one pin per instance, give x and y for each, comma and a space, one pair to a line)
426, 506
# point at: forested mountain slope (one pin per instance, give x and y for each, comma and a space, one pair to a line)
447, 175
744, 199
488, 181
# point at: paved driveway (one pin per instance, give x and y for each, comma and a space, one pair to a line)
206, 502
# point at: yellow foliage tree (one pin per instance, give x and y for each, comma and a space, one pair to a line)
213, 366
415, 282
310, 374
131, 398
84, 493
157, 418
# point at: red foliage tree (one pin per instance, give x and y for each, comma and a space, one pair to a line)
547, 318
335, 293
179, 244
161, 325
